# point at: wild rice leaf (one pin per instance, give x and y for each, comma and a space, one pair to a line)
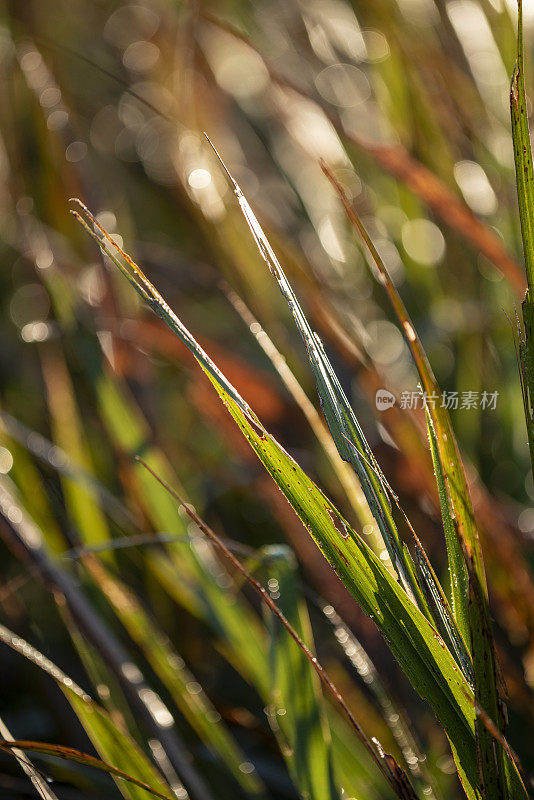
415, 643
114, 746
296, 698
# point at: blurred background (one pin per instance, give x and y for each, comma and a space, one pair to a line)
407, 102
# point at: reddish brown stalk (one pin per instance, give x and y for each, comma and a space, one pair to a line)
497, 735
425, 371
402, 787
70, 754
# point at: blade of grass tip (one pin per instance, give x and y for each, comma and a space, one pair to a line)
452, 468
339, 415
39, 781
153, 298
269, 602
71, 754
345, 475
525, 195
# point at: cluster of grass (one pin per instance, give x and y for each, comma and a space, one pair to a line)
171, 626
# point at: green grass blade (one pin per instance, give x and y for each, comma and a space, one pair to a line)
171, 670
450, 627
468, 581
112, 744
523, 153
494, 776
525, 195
297, 703
68, 434
426, 661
